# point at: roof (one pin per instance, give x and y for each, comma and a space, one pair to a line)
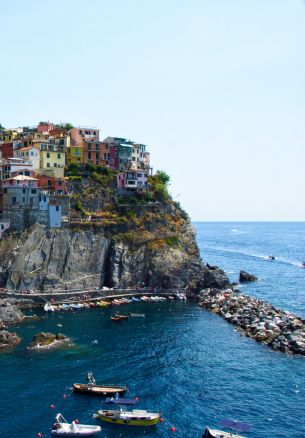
27, 148
22, 178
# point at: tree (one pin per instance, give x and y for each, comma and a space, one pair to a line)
1, 127
163, 177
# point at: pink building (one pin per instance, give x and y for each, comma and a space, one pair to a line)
45, 127
133, 180
81, 135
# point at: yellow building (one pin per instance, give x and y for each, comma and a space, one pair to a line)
52, 157
75, 154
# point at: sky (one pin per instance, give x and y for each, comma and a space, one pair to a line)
214, 88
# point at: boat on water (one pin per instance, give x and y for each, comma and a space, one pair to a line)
271, 257
120, 401
180, 296
77, 306
62, 428
103, 303
102, 390
137, 315
135, 299
48, 307
303, 264
121, 316
136, 417
214, 433
116, 319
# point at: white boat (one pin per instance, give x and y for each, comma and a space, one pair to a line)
213, 433
48, 307
62, 428
180, 296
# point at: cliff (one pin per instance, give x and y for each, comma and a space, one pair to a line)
125, 246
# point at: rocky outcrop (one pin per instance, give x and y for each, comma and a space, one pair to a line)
156, 250
9, 314
47, 340
280, 330
245, 277
59, 258
8, 340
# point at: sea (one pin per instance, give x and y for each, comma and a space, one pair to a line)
180, 359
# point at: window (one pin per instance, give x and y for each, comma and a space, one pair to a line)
80, 132
97, 156
23, 199
94, 132
89, 146
23, 190
57, 208
49, 183
87, 132
48, 154
48, 164
76, 152
14, 200
33, 191
89, 155
139, 175
60, 183
58, 156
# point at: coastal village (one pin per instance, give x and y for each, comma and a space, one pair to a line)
37, 164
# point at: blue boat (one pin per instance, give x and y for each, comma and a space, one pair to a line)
121, 401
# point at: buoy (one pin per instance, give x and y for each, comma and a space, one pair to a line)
76, 421
39, 434
136, 398
52, 406
65, 396
173, 429
161, 420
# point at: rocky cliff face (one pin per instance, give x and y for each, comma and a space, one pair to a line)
155, 248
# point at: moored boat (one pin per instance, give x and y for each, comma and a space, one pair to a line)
213, 433
136, 417
62, 428
48, 307
116, 319
121, 316
103, 390
137, 315
121, 401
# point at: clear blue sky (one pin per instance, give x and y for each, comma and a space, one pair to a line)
215, 88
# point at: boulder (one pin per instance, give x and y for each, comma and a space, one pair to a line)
246, 277
8, 339
45, 340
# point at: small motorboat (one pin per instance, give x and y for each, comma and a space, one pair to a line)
103, 303
213, 433
121, 401
102, 390
121, 316
137, 315
303, 264
48, 307
135, 299
62, 428
136, 417
271, 257
77, 306
116, 319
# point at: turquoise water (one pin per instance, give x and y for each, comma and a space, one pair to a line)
179, 359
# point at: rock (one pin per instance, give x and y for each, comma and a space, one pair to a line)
246, 277
9, 314
8, 339
46, 340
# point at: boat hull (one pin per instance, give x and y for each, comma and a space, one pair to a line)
103, 391
142, 423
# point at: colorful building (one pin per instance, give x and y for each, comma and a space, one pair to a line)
132, 180
75, 154
20, 191
45, 127
51, 157
81, 135
29, 154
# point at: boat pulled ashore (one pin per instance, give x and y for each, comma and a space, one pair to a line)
136, 417
102, 390
62, 428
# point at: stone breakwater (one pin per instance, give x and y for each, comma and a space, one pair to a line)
259, 320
